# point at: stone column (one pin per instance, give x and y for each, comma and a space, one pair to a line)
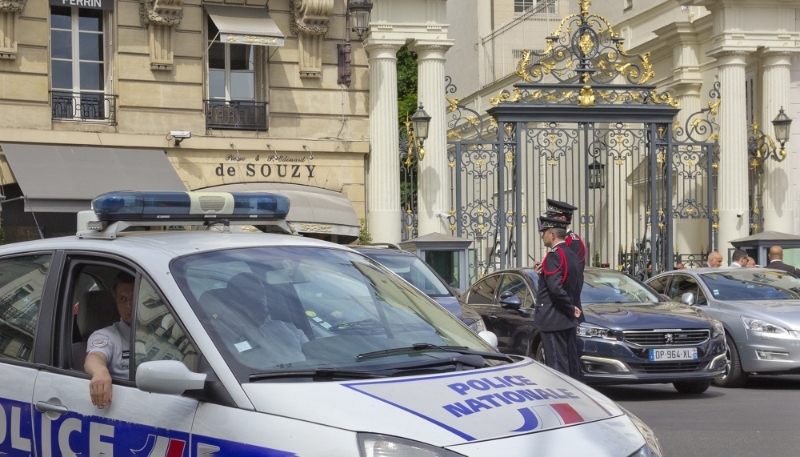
383, 163
434, 172
732, 191
778, 207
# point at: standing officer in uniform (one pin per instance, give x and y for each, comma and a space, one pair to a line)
556, 314
563, 211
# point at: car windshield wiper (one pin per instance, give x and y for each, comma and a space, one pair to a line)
318, 373
472, 360
428, 346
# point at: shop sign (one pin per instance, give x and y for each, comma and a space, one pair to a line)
86, 4
272, 166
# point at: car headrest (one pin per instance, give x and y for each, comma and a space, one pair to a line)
97, 309
247, 291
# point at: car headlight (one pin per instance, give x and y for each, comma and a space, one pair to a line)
477, 325
717, 328
758, 325
593, 331
651, 447
390, 446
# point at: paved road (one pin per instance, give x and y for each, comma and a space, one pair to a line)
761, 419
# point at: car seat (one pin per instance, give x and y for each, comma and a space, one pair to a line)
97, 309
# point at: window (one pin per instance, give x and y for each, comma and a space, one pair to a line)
158, 335
682, 284
659, 284
544, 6
231, 68
483, 292
77, 59
517, 286
21, 284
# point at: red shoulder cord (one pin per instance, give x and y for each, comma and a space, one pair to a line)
561, 265
582, 251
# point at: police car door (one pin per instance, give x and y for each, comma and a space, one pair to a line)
23, 290
136, 422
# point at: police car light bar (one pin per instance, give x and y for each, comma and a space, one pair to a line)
113, 212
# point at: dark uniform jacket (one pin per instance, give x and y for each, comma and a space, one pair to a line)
559, 288
576, 245
779, 265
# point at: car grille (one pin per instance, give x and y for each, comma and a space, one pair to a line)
676, 338
668, 367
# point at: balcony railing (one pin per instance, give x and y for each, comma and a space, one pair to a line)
236, 115
84, 106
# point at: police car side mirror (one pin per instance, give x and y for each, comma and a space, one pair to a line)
168, 377
489, 337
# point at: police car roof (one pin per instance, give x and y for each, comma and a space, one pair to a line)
173, 244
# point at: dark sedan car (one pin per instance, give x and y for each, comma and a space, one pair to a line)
631, 335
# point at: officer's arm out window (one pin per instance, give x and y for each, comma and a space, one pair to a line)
21, 284
158, 335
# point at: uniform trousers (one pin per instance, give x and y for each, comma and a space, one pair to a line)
561, 351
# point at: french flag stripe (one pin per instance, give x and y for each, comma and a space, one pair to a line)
567, 413
175, 448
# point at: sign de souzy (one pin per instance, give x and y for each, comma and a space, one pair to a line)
107, 5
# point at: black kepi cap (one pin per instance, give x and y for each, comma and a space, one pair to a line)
546, 223
556, 208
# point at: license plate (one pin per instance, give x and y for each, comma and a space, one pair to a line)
663, 355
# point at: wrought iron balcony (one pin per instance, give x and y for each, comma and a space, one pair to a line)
236, 115
84, 106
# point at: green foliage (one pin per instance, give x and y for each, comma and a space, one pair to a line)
363, 234
596, 259
2, 233
406, 83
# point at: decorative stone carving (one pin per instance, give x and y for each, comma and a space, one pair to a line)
12, 6
310, 22
168, 13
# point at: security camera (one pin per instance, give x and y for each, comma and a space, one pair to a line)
740, 214
182, 134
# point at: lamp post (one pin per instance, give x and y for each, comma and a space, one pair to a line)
417, 132
597, 175
356, 20
783, 130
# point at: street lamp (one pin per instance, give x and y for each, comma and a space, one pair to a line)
417, 133
421, 122
783, 128
597, 176
359, 11
356, 20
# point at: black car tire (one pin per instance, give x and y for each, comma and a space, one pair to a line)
540, 357
691, 387
734, 377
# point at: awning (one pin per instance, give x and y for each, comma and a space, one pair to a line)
67, 178
243, 25
312, 209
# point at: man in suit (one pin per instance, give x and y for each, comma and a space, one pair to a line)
555, 314
564, 211
775, 256
714, 260
739, 259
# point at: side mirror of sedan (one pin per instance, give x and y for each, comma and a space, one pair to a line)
687, 298
489, 337
511, 302
168, 377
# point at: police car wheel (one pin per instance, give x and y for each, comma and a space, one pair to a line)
734, 375
691, 387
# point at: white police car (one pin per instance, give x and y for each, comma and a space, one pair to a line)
264, 344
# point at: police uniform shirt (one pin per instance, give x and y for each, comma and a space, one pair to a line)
114, 342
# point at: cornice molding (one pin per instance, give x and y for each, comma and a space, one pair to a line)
13, 6
167, 13
311, 17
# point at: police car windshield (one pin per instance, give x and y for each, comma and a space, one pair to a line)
272, 309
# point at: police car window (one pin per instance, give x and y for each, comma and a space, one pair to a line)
300, 308
21, 284
158, 335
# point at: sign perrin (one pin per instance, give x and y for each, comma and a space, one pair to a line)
107, 5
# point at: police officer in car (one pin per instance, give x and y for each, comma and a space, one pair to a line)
556, 314
108, 349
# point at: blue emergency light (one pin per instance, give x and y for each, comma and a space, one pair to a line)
189, 206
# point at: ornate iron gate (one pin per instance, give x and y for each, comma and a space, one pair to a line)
595, 135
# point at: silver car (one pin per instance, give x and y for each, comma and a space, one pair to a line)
759, 308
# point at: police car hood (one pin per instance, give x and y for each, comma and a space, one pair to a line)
446, 409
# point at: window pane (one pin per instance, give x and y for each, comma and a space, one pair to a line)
242, 86
60, 17
21, 284
212, 29
90, 20
61, 44
62, 74
216, 83
158, 335
242, 57
92, 76
216, 56
91, 46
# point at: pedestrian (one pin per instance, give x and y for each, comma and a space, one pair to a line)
751, 262
714, 260
739, 258
564, 211
679, 266
775, 256
555, 314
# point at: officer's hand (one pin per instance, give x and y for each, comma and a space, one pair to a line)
537, 267
577, 312
100, 389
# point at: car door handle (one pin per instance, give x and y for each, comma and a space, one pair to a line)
491, 317
44, 407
